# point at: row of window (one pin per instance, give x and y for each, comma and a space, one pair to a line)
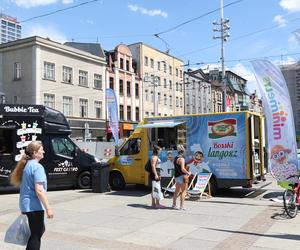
179, 101
163, 64
129, 112
121, 87
10, 24
121, 66
152, 114
49, 101
157, 80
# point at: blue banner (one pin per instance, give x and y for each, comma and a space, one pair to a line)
112, 113
282, 147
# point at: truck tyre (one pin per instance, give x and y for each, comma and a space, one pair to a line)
116, 181
84, 180
214, 189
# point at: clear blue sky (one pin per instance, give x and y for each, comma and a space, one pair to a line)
110, 22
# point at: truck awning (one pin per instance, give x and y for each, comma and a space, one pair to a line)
166, 124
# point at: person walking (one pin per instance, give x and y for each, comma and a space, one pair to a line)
155, 177
180, 173
30, 176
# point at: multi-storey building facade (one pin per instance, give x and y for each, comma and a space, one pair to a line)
162, 75
236, 96
292, 76
197, 92
122, 77
35, 70
10, 29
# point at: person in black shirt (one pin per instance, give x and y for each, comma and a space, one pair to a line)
180, 172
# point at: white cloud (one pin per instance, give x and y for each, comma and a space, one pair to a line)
45, 31
90, 21
34, 3
280, 21
286, 61
144, 11
290, 5
294, 44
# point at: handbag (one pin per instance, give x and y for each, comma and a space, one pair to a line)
156, 191
18, 232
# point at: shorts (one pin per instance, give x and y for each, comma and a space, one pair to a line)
179, 179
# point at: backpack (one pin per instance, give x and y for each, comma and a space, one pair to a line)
148, 166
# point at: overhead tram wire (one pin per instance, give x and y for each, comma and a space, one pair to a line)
59, 10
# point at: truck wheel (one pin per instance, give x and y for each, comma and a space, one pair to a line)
116, 181
213, 186
84, 180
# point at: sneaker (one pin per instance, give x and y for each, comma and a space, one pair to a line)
175, 207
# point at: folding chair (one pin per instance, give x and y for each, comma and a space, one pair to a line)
199, 189
170, 187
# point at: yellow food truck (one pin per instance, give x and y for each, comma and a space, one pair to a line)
232, 143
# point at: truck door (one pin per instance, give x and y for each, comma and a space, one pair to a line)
61, 164
130, 161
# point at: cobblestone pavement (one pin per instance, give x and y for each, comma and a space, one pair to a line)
237, 219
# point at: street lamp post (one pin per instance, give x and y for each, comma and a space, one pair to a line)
223, 29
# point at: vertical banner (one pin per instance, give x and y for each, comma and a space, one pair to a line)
112, 113
282, 147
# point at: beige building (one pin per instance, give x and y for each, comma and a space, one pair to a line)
162, 75
35, 70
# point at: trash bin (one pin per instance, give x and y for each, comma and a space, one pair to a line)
100, 176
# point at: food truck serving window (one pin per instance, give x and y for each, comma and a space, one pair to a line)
167, 134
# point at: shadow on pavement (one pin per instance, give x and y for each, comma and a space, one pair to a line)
147, 206
272, 195
277, 236
280, 216
132, 190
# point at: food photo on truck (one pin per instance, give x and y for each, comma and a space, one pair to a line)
66, 165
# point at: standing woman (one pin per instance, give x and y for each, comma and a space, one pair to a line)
180, 172
155, 174
30, 176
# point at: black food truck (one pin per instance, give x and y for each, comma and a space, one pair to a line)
65, 164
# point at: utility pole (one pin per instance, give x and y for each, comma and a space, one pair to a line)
223, 29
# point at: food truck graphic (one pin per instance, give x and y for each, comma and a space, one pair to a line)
232, 143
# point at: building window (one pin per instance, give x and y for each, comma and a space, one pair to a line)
177, 101
158, 97
17, 71
151, 63
170, 70
98, 109
67, 74
158, 81
67, 106
83, 78
121, 112
98, 81
127, 65
128, 89
181, 103
49, 100
165, 83
158, 65
147, 113
165, 99
121, 86
170, 84
83, 107
176, 72
136, 90
146, 61
121, 63
111, 82
146, 95
180, 73
152, 96
49, 71
128, 113
137, 114
165, 67
171, 101
177, 86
